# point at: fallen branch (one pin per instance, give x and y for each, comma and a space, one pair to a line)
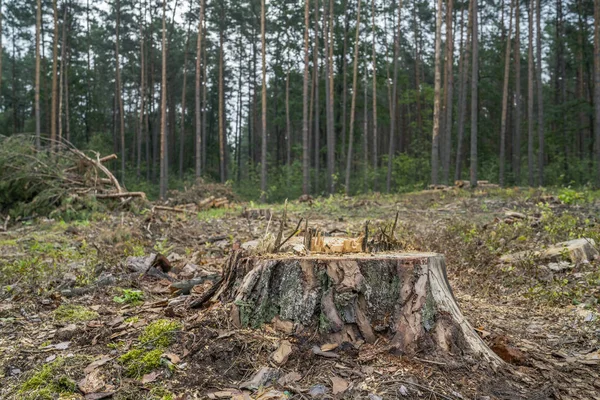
120, 195
173, 209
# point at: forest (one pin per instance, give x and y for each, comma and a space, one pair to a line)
287, 98
277, 200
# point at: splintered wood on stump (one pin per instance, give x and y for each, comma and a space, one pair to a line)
403, 297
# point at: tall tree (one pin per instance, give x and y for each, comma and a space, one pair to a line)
597, 87
517, 110
448, 93
317, 129
183, 93
197, 94
353, 100
374, 66
530, 162
119, 93
222, 134
328, 40
54, 78
263, 155
540, 115
393, 103
474, 83
305, 149
38, 29
142, 92
435, 143
163, 106
63, 56
505, 98
462, 94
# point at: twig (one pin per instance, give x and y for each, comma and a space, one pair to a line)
174, 209
281, 227
289, 237
121, 195
364, 243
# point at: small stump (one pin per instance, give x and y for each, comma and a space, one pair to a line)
405, 298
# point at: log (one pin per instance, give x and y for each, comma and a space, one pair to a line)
403, 298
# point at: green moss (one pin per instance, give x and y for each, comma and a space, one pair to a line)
129, 296
159, 333
138, 362
73, 313
48, 382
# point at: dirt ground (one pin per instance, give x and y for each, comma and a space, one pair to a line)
78, 321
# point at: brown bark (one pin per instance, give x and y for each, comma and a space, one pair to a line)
222, 134
142, 95
474, 105
505, 98
530, 162
328, 53
163, 105
183, 93
462, 94
53, 109
448, 93
597, 87
38, 28
435, 143
288, 124
394, 97
197, 94
540, 114
403, 298
263, 155
305, 146
120, 92
353, 100
63, 52
517, 102
374, 66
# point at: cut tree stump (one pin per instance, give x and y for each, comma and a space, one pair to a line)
404, 298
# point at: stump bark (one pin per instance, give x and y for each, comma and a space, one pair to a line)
405, 298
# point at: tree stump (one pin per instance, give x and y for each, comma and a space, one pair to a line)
405, 298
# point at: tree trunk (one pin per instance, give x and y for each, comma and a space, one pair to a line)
327, 35
38, 28
448, 92
142, 96
403, 298
288, 127
540, 115
353, 100
517, 102
344, 85
530, 83
316, 71
204, 99
391, 147
305, 148
462, 96
198, 158
263, 155
163, 106
597, 87
120, 92
505, 98
435, 142
63, 53
183, 92
222, 133
417, 71
365, 132
474, 83
374, 66
53, 109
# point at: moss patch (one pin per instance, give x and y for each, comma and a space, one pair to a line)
138, 362
73, 313
159, 333
48, 382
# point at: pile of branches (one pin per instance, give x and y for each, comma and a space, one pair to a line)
36, 182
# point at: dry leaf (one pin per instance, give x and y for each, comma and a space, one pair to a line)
329, 346
280, 356
97, 363
151, 377
174, 358
62, 345
339, 385
91, 383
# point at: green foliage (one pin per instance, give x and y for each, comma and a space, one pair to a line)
48, 382
160, 333
129, 296
138, 362
73, 313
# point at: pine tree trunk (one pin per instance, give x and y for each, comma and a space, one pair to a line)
530, 162
462, 102
163, 106
328, 50
597, 87
66, 83
474, 83
316, 71
365, 132
353, 100
288, 128
393, 103
305, 148
517, 102
142, 96
263, 155
121, 110
197, 95
448, 92
204, 99
374, 66
417, 71
63, 52
505, 98
38, 28
435, 143
53, 109
183, 92
344, 86
222, 134
540, 115
402, 298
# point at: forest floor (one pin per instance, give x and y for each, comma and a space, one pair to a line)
76, 322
